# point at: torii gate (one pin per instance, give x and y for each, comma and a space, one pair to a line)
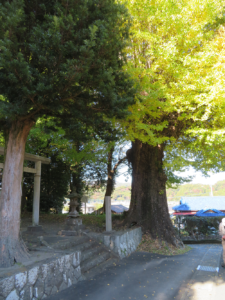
37, 180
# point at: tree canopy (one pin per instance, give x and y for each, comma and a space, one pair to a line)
57, 58
62, 59
176, 53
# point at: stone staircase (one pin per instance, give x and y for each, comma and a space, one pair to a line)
95, 257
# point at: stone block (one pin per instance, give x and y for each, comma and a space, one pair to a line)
123, 243
69, 282
76, 259
52, 266
106, 240
77, 272
51, 278
22, 293
59, 279
63, 286
127, 237
13, 296
43, 271
42, 281
20, 280
50, 281
70, 232
69, 273
54, 290
73, 221
26, 293
33, 275
74, 280
65, 278
117, 241
6, 286
48, 290
67, 262
35, 292
39, 288
61, 262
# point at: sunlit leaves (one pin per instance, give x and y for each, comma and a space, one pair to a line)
173, 55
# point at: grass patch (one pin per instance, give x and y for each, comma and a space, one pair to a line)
93, 220
53, 217
155, 246
46, 217
87, 220
99, 220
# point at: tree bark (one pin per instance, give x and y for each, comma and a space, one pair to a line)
110, 176
12, 248
148, 206
23, 197
111, 172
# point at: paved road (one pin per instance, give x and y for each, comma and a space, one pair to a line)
150, 276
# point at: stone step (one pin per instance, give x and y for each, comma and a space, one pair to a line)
96, 248
95, 260
100, 268
84, 246
75, 243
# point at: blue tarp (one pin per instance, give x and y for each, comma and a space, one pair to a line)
211, 212
182, 207
199, 203
118, 208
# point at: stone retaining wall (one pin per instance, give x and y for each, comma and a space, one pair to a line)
43, 280
123, 243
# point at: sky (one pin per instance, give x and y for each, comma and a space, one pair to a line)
212, 179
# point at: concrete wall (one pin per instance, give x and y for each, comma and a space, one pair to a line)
42, 280
123, 243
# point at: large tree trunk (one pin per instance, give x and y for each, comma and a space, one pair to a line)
23, 197
110, 173
11, 247
148, 207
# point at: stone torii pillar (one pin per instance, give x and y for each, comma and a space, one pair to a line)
108, 214
37, 192
37, 184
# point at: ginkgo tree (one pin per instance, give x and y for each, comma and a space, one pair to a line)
175, 54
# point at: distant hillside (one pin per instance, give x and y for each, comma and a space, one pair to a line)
191, 190
122, 192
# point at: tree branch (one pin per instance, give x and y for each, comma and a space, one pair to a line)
120, 161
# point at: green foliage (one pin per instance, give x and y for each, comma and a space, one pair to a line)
63, 59
177, 54
97, 206
195, 190
187, 190
201, 224
120, 193
219, 188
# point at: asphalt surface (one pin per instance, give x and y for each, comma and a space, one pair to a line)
144, 275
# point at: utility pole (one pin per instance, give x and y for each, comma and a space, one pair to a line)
211, 193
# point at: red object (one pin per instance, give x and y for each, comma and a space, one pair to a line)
184, 213
223, 237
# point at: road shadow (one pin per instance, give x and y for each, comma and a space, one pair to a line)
142, 275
